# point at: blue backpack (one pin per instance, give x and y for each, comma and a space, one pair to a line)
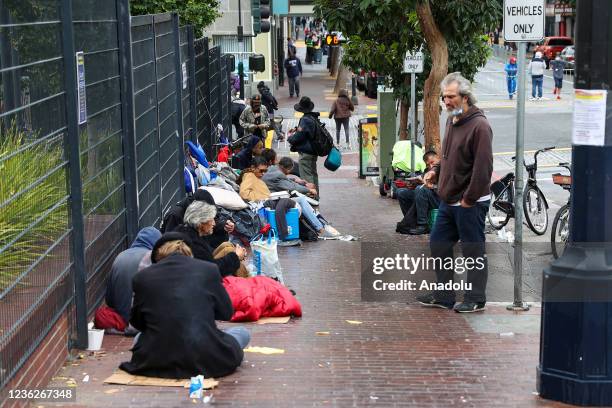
334, 159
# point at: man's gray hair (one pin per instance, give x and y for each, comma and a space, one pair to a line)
199, 212
465, 86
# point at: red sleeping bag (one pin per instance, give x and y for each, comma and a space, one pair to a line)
260, 296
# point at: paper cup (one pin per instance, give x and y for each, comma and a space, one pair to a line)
94, 339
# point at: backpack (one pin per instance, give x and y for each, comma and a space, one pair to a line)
322, 142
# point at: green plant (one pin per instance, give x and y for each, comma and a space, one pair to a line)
22, 163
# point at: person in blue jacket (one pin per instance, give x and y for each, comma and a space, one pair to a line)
511, 70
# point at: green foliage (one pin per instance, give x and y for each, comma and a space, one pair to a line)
381, 32
199, 13
21, 166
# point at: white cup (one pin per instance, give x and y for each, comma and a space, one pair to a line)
94, 339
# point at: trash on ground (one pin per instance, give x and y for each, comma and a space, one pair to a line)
264, 350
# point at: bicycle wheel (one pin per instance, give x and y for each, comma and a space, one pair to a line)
559, 233
535, 210
498, 218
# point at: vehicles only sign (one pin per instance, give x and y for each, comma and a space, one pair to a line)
524, 20
413, 63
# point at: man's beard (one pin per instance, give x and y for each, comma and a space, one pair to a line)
456, 112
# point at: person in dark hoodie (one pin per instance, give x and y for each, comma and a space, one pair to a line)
267, 99
463, 177
125, 266
176, 303
301, 138
244, 158
293, 66
199, 222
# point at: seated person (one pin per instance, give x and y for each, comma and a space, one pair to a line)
176, 303
276, 179
424, 199
244, 158
125, 266
406, 196
174, 217
199, 223
253, 188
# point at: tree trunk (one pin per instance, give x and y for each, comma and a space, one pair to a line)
439, 56
335, 64
343, 74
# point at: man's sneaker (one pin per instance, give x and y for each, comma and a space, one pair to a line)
532, 99
470, 307
429, 300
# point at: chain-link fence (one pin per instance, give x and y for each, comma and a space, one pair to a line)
94, 108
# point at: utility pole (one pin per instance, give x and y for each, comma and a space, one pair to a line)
576, 342
241, 45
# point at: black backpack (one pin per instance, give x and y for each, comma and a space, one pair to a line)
322, 142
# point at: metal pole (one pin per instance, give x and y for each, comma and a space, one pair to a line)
241, 42
193, 103
127, 118
518, 304
178, 74
413, 127
72, 144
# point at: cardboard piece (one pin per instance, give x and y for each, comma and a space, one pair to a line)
124, 378
264, 350
274, 320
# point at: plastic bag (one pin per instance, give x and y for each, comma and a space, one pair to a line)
265, 257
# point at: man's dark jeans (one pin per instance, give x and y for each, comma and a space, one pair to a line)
405, 196
456, 223
426, 199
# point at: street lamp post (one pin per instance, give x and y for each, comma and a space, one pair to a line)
576, 338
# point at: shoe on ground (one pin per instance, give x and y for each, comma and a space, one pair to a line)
419, 230
558, 97
334, 232
470, 307
532, 99
429, 300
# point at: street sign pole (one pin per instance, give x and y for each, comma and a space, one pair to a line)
413, 64
413, 127
523, 22
518, 304
575, 340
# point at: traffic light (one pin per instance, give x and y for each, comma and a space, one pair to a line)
260, 10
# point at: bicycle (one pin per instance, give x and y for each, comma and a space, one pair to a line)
535, 206
559, 234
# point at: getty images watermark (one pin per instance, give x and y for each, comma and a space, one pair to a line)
394, 271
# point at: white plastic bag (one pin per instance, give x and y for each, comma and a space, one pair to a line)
265, 257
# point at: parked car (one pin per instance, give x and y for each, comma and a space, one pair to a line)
551, 46
567, 55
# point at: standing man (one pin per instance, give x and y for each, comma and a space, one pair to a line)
302, 139
293, 66
463, 177
558, 66
536, 69
255, 119
291, 46
511, 70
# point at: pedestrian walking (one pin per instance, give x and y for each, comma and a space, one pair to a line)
302, 138
291, 46
558, 67
293, 66
341, 111
536, 70
463, 180
303, 23
511, 70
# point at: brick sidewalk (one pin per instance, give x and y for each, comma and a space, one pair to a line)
401, 355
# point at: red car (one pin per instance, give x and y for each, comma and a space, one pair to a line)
551, 46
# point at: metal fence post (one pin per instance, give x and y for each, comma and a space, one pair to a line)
179, 92
157, 127
127, 118
74, 181
193, 111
